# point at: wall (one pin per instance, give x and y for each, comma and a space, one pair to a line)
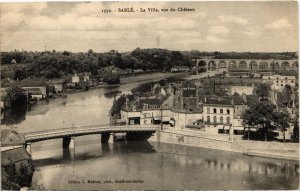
182, 119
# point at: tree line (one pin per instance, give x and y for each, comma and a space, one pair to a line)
53, 64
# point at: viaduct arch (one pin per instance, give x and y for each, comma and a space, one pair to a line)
247, 64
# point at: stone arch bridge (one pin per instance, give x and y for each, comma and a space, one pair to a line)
246, 64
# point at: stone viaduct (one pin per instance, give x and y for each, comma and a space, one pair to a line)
246, 64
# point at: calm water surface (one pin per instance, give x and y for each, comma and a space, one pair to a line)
152, 165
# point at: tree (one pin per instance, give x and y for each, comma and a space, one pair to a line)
287, 95
19, 74
17, 96
281, 120
116, 107
296, 131
263, 90
260, 115
90, 51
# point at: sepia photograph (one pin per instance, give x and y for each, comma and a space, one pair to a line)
149, 95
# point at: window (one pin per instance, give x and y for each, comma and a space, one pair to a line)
228, 120
221, 119
145, 106
292, 81
215, 119
228, 111
215, 110
221, 110
208, 110
208, 119
281, 84
269, 78
277, 81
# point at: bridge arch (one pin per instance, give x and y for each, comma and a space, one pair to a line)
201, 63
243, 64
222, 64
212, 65
253, 65
285, 65
295, 64
232, 64
263, 65
274, 65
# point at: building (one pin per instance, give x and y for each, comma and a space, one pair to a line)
34, 93
5, 101
180, 69
58, 85
10, 139
85, 77
224, 114
145, 111
248, 90
30, 84
278, 82
19, 158
187, 108
75, 78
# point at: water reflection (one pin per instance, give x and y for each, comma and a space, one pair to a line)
164, 166
227, 162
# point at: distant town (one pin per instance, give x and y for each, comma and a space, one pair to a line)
227, 97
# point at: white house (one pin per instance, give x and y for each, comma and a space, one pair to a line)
221, 115
145, 111
278, 82
248, 90
75, 78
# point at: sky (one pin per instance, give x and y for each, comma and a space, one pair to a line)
213, 26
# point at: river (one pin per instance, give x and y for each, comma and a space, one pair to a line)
145, 165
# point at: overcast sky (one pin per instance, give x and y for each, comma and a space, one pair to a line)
214, 26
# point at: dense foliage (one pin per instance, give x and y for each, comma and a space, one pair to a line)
263, 90
264, 116
14, 180
57, 64
17, 96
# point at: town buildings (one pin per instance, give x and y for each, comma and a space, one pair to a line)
35, 88
145, 111
223, 114
180, 69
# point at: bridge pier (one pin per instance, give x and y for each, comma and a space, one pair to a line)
107, 137
28, 147
111, 138
68, 142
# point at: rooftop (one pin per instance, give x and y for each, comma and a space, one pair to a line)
139, 103
10, 137
14, 156
228, 100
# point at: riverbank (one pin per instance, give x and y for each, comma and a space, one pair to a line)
148, 77
276, 150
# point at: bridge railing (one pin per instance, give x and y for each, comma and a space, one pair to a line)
74, 131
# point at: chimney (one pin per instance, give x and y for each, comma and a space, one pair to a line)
126, 106
205, 99
219, 98
232, 102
